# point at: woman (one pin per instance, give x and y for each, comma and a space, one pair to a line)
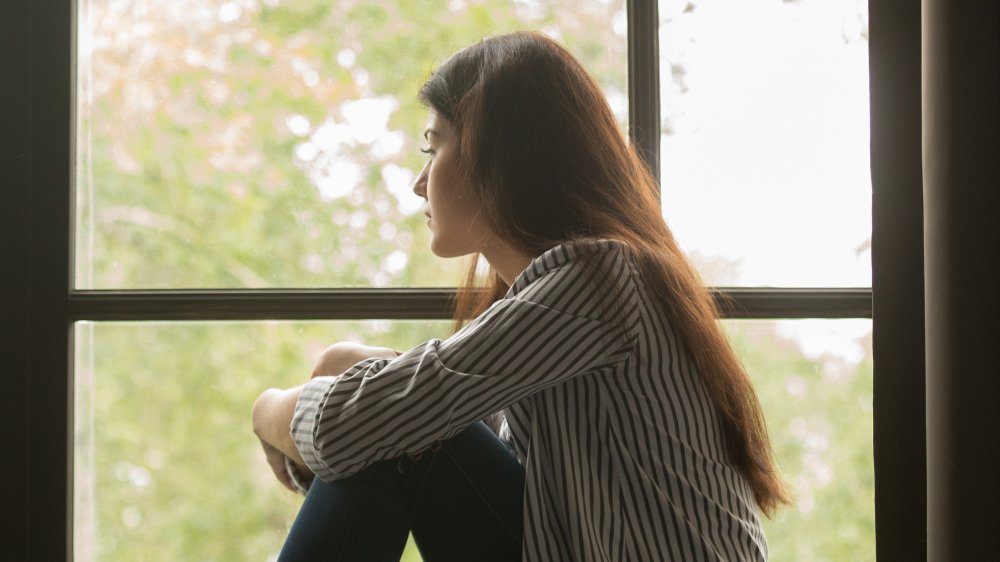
629, 430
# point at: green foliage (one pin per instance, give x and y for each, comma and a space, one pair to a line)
191, 176
819, 415
163, 440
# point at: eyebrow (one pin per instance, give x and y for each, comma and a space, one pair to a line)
429, 132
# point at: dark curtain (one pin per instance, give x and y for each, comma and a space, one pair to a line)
961, 179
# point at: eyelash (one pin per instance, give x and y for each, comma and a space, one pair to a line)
427, 150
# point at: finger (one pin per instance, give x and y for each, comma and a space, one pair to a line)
278, 468
276, 460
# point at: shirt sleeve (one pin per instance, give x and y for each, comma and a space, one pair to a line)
380, 409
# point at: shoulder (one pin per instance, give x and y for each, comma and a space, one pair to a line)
588, 278
572, 257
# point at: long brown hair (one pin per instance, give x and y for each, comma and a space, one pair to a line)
550, 165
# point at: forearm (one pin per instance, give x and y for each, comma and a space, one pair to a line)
272, 418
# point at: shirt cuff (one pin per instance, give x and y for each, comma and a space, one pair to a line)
306, 421
300, 481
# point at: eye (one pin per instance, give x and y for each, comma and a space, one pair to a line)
427, 150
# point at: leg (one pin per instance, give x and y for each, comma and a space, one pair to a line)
361, 517
462, 501
468, 503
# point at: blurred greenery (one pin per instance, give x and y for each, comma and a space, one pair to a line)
279, 139
819, 415
166, 462
271, 144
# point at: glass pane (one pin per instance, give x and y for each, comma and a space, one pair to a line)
765, 139
166, 463
272, 143
814, 379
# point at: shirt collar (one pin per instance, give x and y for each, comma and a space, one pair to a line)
555, 257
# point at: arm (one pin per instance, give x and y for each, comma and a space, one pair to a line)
273, 409
380, 410
272, 416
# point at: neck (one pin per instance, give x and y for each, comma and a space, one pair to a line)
506, 261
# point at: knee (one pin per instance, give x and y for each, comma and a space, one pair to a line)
341, 356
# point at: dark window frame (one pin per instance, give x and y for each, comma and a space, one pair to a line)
38, 40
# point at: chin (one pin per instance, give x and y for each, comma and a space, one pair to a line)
448, 251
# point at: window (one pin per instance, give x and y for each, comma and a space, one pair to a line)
764, 151
165, 462
234, 289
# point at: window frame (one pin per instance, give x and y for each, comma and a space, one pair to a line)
44, 305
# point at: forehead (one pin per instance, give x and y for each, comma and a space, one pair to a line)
437, 126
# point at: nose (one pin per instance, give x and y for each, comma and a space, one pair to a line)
420, 184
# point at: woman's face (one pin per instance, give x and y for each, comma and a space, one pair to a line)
453, 209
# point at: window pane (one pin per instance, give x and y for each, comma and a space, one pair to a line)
814, 380
272, 143
765, 140
166, 463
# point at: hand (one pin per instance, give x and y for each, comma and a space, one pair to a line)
272, 413
276, 460
272, 416
341, 356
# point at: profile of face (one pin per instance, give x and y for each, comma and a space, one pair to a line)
453, 210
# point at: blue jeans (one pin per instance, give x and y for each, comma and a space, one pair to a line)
462, 501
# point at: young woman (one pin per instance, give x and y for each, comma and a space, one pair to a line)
629, 429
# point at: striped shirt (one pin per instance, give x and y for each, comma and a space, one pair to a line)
622, 445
